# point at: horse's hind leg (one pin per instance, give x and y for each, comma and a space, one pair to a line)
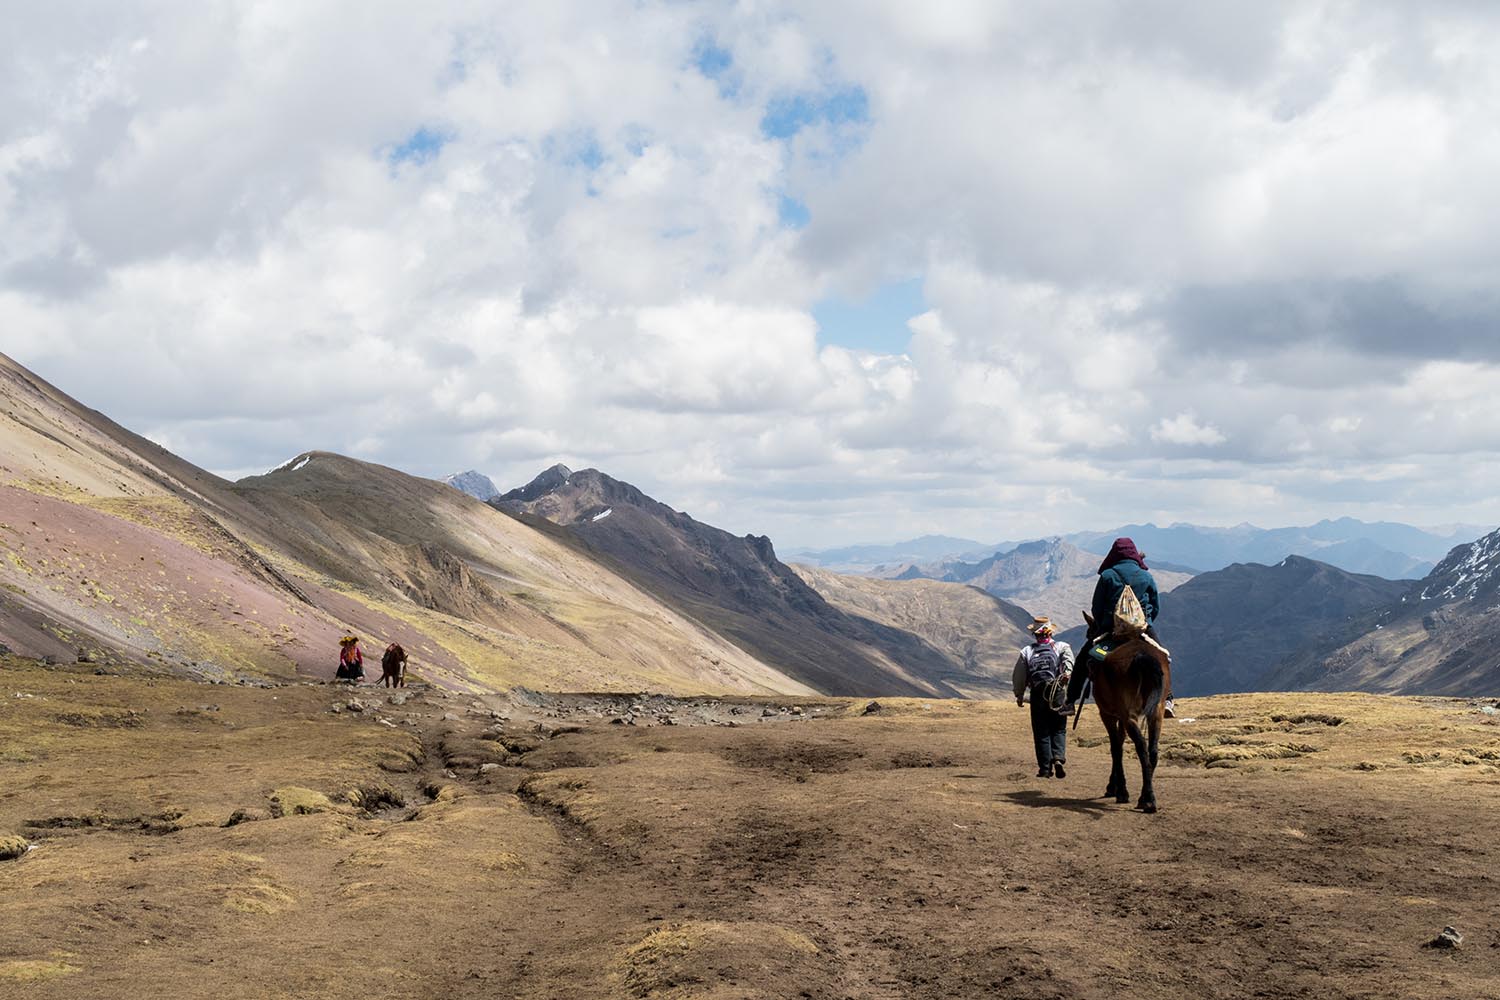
1147, 756
1116, 786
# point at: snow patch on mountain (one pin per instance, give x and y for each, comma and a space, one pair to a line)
1468, 572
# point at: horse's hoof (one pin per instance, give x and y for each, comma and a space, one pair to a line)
1146, 807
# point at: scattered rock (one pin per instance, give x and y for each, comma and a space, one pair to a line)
1488, 709
251, 815
4, 649
1448, 937
450, 717
768, 713
488, 768
12, 847
399, 698
796, 709
871, 709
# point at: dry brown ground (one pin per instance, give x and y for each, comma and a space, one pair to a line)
909, 853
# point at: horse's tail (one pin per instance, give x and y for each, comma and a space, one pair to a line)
1153, 680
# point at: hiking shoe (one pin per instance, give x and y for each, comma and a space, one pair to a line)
1044, 772
1058, 771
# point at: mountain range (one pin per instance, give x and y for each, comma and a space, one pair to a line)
739, 588
1230, 629
1050, 577
1441, 637
1394, 551
115, 552
118, 553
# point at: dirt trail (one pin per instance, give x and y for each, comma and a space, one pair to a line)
551, 852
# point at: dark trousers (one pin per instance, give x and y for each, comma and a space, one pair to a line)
1049, 731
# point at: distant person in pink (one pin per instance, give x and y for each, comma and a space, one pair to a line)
351, 660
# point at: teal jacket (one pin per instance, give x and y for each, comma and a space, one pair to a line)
1107, 594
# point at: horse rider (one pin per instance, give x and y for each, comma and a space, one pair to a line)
1043, 667
1124, 566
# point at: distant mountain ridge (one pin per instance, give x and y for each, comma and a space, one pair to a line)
736, 586
1394, 551
1383, 548
475, 484
1047, 577
865, 558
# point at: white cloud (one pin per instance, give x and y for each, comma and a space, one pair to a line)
1161, 251
1184, 429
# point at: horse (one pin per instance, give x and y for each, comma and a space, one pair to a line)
393, 666
1130, 686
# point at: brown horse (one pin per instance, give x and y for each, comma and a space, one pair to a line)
1130, 686
393, 666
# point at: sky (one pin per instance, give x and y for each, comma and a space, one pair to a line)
832, 271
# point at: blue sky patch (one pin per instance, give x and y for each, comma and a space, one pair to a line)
792, 213
876, 323
712, 60
420, 147
786, 116
717, 64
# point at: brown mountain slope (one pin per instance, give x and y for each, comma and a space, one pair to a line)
517, 605
979, 631
1440, 637
1231, 629
734, 585
116, 551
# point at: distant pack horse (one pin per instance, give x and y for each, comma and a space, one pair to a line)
1130, 686
393, 666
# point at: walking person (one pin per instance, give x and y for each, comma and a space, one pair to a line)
1044, 668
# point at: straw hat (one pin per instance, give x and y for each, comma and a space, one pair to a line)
1041, 625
